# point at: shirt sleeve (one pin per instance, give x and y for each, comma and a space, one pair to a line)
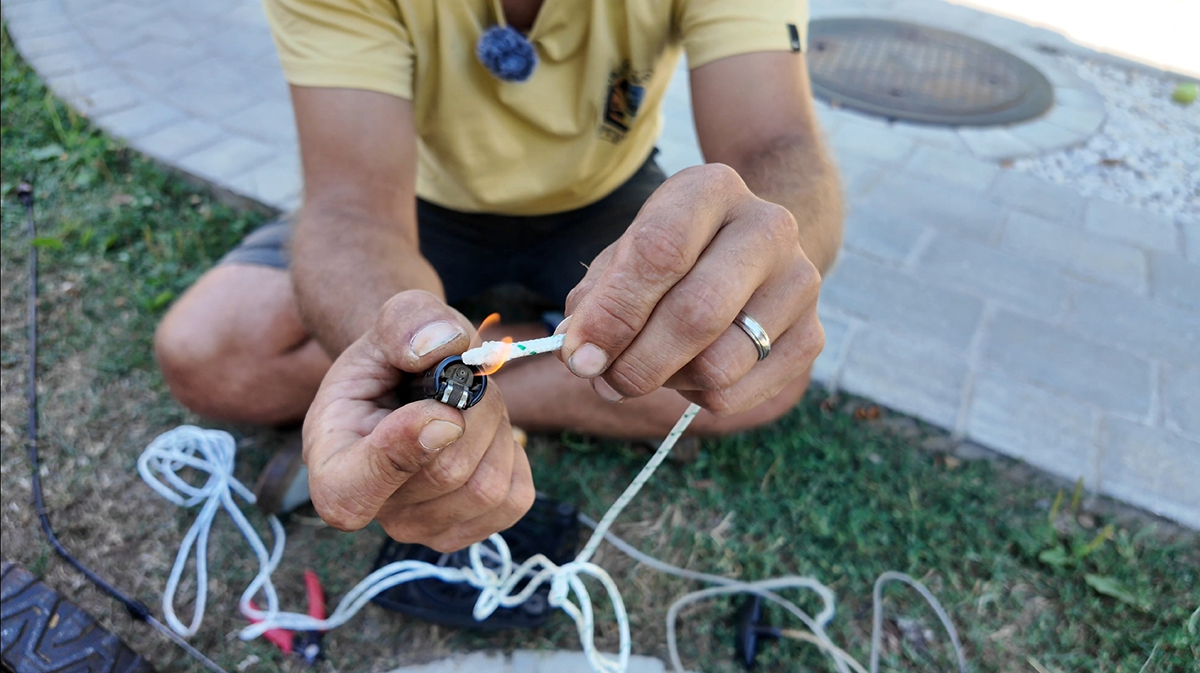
355, 44
715, 29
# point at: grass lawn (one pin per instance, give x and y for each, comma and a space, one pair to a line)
1035, 578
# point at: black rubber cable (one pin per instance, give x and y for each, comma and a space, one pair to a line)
136, 609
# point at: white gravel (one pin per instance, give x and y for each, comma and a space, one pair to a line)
1147, 153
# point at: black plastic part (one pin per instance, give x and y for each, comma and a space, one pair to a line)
445, 382
750, 632
41, 632
455, 383
550, 528
308, 646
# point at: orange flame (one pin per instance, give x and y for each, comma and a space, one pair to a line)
493, 319
488, 370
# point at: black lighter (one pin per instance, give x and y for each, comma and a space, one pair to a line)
450, 381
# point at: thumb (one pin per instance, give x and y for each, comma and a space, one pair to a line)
350, 485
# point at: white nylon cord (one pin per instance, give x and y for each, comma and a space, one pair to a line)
496, 353
212, 452
764, 588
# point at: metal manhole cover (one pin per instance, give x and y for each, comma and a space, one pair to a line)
915, 73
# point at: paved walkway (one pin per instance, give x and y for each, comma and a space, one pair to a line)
1016, 313
1160, 33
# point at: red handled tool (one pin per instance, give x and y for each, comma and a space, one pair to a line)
279, 637
309, 645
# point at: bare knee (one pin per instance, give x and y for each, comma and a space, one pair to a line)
183, 355
199, 369
232, 348
767, 412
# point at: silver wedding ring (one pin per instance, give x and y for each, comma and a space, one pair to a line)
756, 333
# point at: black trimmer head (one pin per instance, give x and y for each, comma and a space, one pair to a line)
549, 528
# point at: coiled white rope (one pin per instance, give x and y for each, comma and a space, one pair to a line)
212, 452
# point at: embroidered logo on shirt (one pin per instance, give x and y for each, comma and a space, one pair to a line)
625, 96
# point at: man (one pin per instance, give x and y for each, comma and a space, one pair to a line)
428, 179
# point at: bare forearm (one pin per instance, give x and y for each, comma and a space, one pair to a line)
346, 265
797, 174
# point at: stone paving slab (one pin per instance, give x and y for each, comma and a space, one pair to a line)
897, 301
1149, 231
1002, 278
1057, 329
955, 167
1174, 281
1082, 254
906, 372
885, 237
1055, 432
938, 203
1057, 360
1191, 240
1181, 399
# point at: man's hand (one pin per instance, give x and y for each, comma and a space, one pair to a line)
656, 308
428, 472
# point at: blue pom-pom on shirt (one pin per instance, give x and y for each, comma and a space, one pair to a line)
506, 54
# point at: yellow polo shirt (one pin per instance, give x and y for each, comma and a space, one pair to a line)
576, 130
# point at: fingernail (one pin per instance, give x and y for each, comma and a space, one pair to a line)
562, 326
437, 435
433, 336
587, 361
606, 391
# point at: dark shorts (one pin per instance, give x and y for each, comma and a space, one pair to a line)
474, 252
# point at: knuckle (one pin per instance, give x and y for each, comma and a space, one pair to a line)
713, 375
719, 404
816, 343
440, 545
576, 295
400, 458
809, 337
510, 519
621, 309
389, 466
335, 514
805, 280
404, 530
632, 377
780, 220
487, 491
449, 472
520, 498
397, 464
400, 305
693, 308
661, 250
807, 275
450, 542
720, 176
